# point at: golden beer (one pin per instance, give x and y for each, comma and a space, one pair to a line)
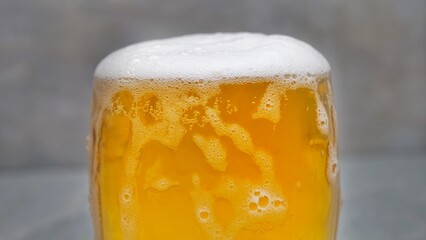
247, 157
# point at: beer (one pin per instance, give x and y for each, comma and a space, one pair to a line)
220, 136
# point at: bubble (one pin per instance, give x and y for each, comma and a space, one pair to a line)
204, 215
126, 195
277, 203
252, 206
263, 201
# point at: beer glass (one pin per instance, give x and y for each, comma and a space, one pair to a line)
215, 137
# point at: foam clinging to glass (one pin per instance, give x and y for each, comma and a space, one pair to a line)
213, 56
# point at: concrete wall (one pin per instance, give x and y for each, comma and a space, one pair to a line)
49, 49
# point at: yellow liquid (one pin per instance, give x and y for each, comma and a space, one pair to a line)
246, 159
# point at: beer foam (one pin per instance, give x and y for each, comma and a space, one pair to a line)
332, 164
213, 56
213, 151
322, 118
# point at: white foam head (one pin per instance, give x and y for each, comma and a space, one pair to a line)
213, 56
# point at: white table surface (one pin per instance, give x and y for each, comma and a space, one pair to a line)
384, 199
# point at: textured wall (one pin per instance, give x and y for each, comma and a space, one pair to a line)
49, 49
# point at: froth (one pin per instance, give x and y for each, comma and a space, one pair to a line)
213, 56
332, 164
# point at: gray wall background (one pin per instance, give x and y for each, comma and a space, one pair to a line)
49, 49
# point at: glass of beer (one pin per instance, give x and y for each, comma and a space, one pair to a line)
214, 137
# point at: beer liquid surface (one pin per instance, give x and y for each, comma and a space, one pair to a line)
239, 158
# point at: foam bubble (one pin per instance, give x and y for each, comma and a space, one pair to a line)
126, 195
213, 56
263, 201
203, 215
